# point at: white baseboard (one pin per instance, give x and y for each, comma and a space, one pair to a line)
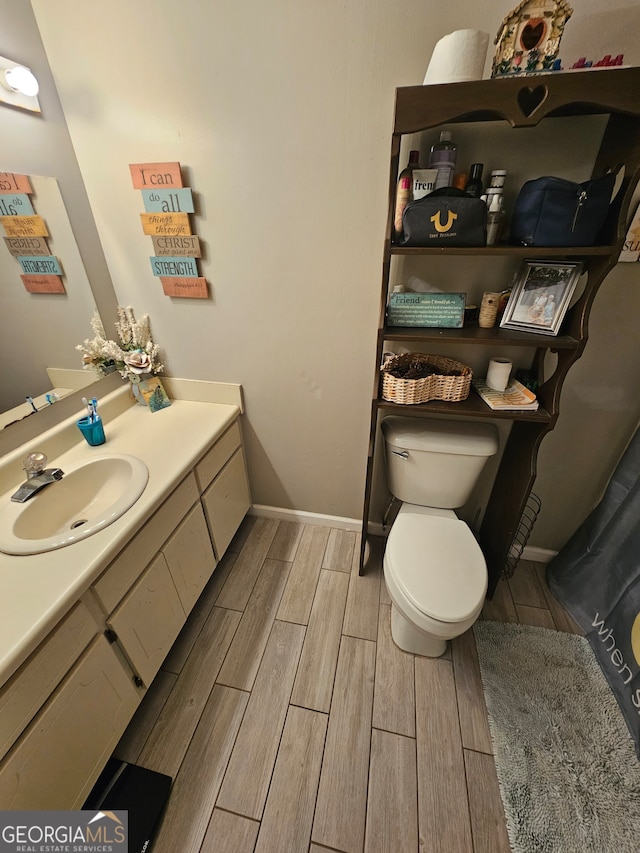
537, 555
305, 517
530, 552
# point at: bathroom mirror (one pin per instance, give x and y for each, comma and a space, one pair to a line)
39, 331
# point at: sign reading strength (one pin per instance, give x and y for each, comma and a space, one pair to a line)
178, 266
63, 831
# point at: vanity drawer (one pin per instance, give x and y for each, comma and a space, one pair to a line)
25, 693
213, 461
226, 502
56, 762
116, 581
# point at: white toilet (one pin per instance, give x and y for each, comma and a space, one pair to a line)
434, 569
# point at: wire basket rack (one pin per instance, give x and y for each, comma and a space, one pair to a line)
525, 526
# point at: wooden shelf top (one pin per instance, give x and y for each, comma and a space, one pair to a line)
476, 336
474, 406
512, 251
522, 100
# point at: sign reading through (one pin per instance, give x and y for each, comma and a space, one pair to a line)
24, 226
169, 224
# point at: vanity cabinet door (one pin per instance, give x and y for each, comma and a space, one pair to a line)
118, 579
226, 502
57, 760
25, 693
190, 557
148, 620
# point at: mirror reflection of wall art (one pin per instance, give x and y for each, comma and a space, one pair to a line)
529, 37
26, 234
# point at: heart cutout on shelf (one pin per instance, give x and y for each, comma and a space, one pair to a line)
530, 99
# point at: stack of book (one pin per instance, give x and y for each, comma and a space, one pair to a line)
515, 397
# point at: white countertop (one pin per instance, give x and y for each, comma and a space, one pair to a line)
37, 590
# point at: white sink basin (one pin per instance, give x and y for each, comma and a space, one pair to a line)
89, 497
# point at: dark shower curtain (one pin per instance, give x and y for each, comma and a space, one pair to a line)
596, 576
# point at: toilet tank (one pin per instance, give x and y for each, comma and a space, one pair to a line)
436, 462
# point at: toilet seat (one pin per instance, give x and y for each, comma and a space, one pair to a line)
437, 566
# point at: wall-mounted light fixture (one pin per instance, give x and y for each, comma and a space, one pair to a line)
18, 86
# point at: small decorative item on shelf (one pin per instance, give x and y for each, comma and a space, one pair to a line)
414, 377
135, 356
489, 309
529, 37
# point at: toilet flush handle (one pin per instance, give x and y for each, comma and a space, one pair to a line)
402, 453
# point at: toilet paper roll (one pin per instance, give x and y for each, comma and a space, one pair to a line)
498, 373
458, 57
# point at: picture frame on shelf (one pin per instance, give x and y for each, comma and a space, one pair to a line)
541, 296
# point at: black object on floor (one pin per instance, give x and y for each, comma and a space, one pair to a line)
142, 793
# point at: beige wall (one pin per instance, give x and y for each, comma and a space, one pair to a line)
280, 114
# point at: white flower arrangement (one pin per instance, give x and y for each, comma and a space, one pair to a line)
134, 355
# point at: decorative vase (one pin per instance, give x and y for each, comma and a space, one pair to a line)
108, 367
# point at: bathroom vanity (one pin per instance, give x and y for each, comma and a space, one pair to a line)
86, 627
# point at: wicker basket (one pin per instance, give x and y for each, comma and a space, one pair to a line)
434, 387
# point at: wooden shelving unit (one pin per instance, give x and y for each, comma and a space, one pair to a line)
518, 103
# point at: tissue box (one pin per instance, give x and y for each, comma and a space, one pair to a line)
444, 310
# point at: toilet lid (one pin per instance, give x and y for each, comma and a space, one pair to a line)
437, 563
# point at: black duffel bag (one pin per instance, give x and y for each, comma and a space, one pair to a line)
555, 212
445, 217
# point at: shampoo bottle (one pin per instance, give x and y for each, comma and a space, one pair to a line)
404, 192
443, 158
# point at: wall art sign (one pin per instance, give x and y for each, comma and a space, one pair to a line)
168, 201
187, 245
146, 176
194, 288
165, 223
168, 204
43, 283
174, 267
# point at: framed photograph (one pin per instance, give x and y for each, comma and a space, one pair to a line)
541, 295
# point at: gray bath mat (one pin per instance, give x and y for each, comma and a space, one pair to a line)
568, 773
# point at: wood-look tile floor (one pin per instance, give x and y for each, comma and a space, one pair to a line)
290, 721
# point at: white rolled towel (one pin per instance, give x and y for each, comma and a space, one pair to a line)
458, 57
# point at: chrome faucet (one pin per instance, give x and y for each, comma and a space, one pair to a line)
37, 477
